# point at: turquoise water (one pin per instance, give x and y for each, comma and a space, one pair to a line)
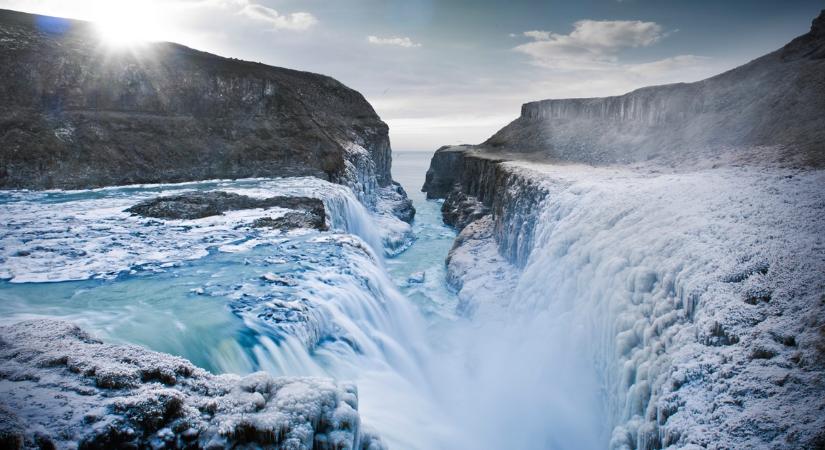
183, 310
433, 242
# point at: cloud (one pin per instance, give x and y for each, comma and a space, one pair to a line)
399, 41
669, 65
592, 44
297, 21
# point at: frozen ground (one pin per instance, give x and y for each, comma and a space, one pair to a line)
62, 388
694, 301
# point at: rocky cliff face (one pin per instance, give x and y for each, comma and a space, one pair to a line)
77, 114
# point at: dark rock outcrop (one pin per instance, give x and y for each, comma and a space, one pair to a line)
61, 388
459, 209
196, 205
292, 220
75, 113
445, 169
394, 200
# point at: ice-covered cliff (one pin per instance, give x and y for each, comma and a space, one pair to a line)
661, 251
769, 110
75, 113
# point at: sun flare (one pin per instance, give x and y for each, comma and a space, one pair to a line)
129, 24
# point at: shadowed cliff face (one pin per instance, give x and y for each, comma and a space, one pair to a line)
76, 114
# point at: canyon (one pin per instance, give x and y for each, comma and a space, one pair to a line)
202, 252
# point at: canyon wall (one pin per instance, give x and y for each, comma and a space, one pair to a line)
75, 113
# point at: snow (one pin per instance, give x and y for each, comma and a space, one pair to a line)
693, 300
71, 390
76, 235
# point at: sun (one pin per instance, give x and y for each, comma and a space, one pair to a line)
126, 24
118, 34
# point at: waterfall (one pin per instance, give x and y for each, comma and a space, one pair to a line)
591, 307
635, 286
347, 214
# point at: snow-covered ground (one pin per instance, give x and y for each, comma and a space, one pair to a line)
693, 303
61, 388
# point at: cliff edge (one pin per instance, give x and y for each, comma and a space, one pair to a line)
75, 113
768, 111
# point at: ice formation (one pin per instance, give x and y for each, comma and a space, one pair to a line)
693, 299
61, 388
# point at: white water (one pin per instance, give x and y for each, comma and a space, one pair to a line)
195, 288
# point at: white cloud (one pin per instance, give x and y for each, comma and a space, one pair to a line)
538, 35
669, 65
399, 41
297, 21
616, 33
591, 45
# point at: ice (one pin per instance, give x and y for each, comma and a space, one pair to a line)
692, 300
71, 390
75, 235
230, 297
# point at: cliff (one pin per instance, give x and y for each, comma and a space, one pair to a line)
768, 111
75, 113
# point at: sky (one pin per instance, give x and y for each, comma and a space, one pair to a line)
455, 71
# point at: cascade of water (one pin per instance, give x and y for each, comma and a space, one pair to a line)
300, 303
346, 213
632, 278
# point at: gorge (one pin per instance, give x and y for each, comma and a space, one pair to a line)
245, 267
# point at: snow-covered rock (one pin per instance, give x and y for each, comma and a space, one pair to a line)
62, 388
697, 297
